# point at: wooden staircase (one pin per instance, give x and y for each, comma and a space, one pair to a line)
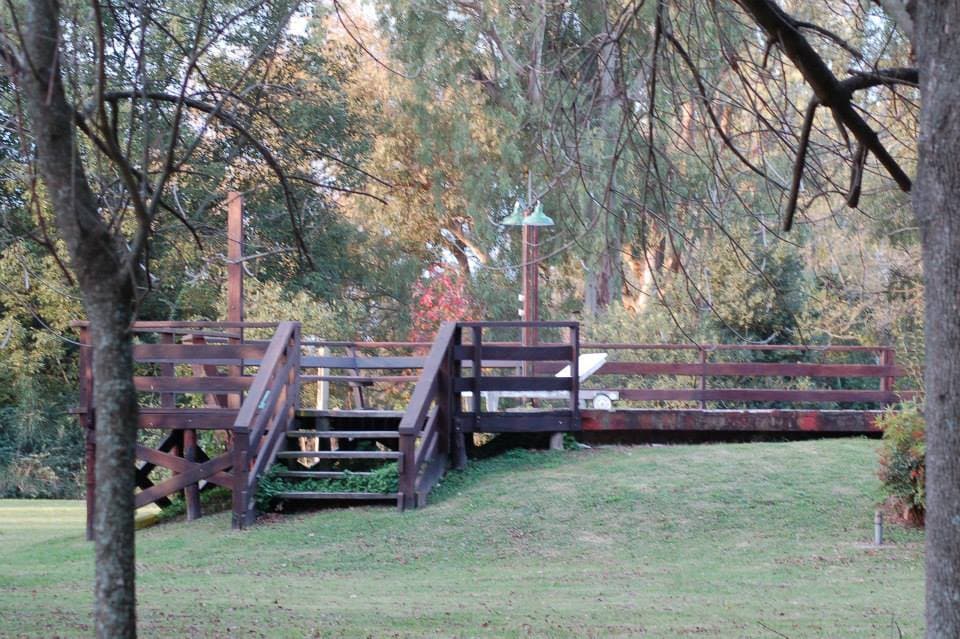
338, 444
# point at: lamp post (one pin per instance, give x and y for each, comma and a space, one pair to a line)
530, 223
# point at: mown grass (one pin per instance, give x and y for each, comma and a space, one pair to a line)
753, 540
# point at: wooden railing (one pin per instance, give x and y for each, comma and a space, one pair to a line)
433, 428
192, 376
426, 441
531, 381
264, 418
646, 380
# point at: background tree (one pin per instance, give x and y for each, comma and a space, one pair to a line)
128, 119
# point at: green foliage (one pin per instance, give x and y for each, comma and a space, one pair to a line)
903, 458
214, 500
384, 479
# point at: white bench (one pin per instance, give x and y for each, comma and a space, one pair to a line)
587, 365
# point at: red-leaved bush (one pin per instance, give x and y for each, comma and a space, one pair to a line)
442, 295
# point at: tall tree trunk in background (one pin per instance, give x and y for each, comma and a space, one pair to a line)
105, 280
936, 201
605, 264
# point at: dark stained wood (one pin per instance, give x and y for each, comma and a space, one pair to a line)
197, 353
293, 494
192, 384
519, 422
363, 363
429, 477
186, 477
747, 369
760, 395
515, 383
181, 465
813, 348
199, 418
321, 474
346, 434
519, 324
544, 353
769, 421
366, 380
340, 454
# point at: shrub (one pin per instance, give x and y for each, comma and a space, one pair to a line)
384, 479
902, 459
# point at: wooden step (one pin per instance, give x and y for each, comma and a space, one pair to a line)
350, 414
346, 434
339, 454
321, 474
293, 494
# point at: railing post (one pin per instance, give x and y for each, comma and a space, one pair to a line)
241, 473
888, 382
293, 380
575, 374
458, 439
703, 377
477, 374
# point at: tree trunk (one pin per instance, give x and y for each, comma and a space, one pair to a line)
98, 259
937, 206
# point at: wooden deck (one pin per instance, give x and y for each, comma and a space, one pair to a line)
244, 381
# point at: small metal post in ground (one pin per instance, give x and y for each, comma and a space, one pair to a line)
878, 528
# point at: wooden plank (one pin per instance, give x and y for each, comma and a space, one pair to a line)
179, 464
346, 434
198, 418
197, 353
366, 380
747, 369
513, 383
363, 363
199, 384
339, 454
350, 414
813, 348
321, 474
545, 353
696, 420
519, 324
178, 482
294, 494
759, 395
520, 422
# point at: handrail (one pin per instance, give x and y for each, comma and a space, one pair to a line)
425, 428
884, 369
264, 418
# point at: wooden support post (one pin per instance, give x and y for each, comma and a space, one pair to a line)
191, 493
408, 470
241, 471
235, 280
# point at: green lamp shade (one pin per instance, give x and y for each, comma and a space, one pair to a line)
516, 218
537, 218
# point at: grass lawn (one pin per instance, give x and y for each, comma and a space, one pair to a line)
747, 540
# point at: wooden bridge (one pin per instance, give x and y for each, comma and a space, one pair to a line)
222, 402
